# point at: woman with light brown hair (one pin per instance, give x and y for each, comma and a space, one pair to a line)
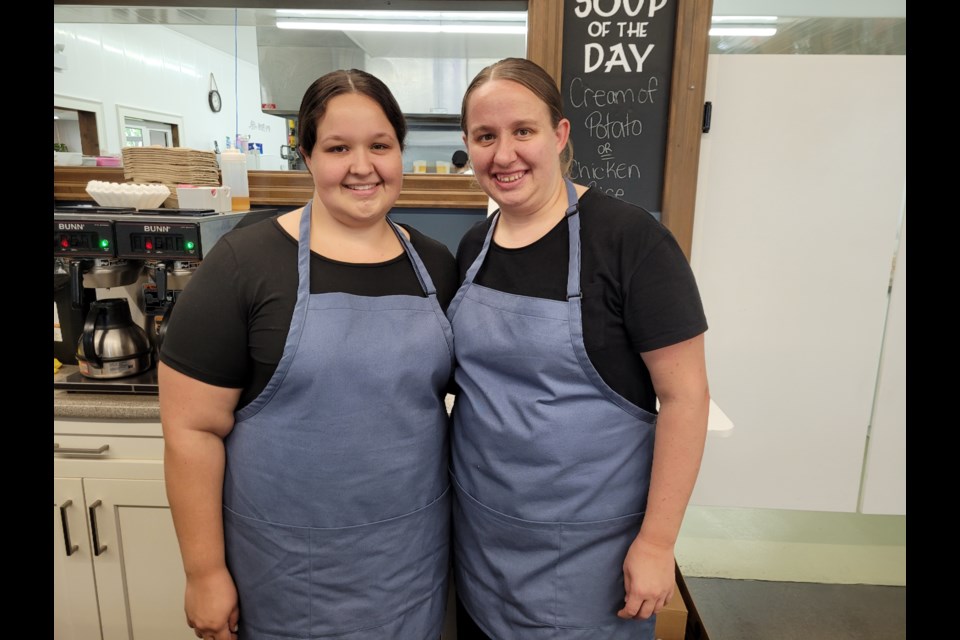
577, 312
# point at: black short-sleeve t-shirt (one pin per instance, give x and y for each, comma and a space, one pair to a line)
230, 323
639, 293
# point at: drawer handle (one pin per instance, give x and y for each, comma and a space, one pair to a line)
90, 452
97, 549
71, 548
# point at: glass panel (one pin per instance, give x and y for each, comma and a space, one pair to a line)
134, 136
428, 72
158, 138
808, 35
66, 130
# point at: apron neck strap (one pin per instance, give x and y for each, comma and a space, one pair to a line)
426, 282
572, 200
573, 224
478, 262
303, 255
303, 252
573, 264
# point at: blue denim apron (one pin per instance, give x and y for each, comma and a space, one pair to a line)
551, 467
336, 498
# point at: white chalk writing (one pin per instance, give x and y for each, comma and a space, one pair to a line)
632, 9
581, 95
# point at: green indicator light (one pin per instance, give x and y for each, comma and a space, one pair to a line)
104, 244
191, 245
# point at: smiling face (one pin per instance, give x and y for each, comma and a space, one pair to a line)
356, 162
514, 147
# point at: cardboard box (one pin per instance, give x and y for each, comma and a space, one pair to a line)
672, 619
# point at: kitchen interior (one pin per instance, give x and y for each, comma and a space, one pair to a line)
98, 257
135, 84
141, 75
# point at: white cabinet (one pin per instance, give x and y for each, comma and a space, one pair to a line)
75, 612
120, 576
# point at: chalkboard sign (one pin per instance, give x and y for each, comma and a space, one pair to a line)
617, 65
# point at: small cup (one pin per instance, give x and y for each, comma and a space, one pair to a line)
419, 166
443, 166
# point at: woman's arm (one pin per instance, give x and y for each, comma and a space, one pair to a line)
679, 377
196, 417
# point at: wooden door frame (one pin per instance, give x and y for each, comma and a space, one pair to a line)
682, 160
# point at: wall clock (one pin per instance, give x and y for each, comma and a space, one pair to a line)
213, 98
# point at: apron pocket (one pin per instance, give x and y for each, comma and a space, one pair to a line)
270, 566
361, 577
506, 565
590, 570
558, 574
366, 576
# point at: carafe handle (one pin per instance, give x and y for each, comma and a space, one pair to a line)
160, 279
162, 331
77, 267
86, 340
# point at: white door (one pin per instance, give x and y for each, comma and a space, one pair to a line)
885, 472
140, 579
800, 196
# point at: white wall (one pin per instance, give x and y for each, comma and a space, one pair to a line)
156, 69
798, 211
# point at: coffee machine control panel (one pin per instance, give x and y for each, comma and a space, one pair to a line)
158, 240
83, 239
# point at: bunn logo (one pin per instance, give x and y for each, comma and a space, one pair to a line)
70, 226
155, 228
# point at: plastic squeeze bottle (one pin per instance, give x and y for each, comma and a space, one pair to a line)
233, 169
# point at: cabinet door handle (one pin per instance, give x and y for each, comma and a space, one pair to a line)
90, 452
71, 548
97, 549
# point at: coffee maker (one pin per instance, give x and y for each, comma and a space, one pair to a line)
85, 260
145, 257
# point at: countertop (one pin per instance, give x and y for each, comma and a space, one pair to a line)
120, 406
293, 188
113, 406
102, 406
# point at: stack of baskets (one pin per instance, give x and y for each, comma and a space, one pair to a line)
171, 166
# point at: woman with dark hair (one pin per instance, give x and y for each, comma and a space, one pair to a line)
302, 384
576, 313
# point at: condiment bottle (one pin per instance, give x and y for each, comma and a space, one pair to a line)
233, 169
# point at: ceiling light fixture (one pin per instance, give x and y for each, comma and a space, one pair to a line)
486, 22
461, 16
400, 27
744, 19
743, 31
759, 26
